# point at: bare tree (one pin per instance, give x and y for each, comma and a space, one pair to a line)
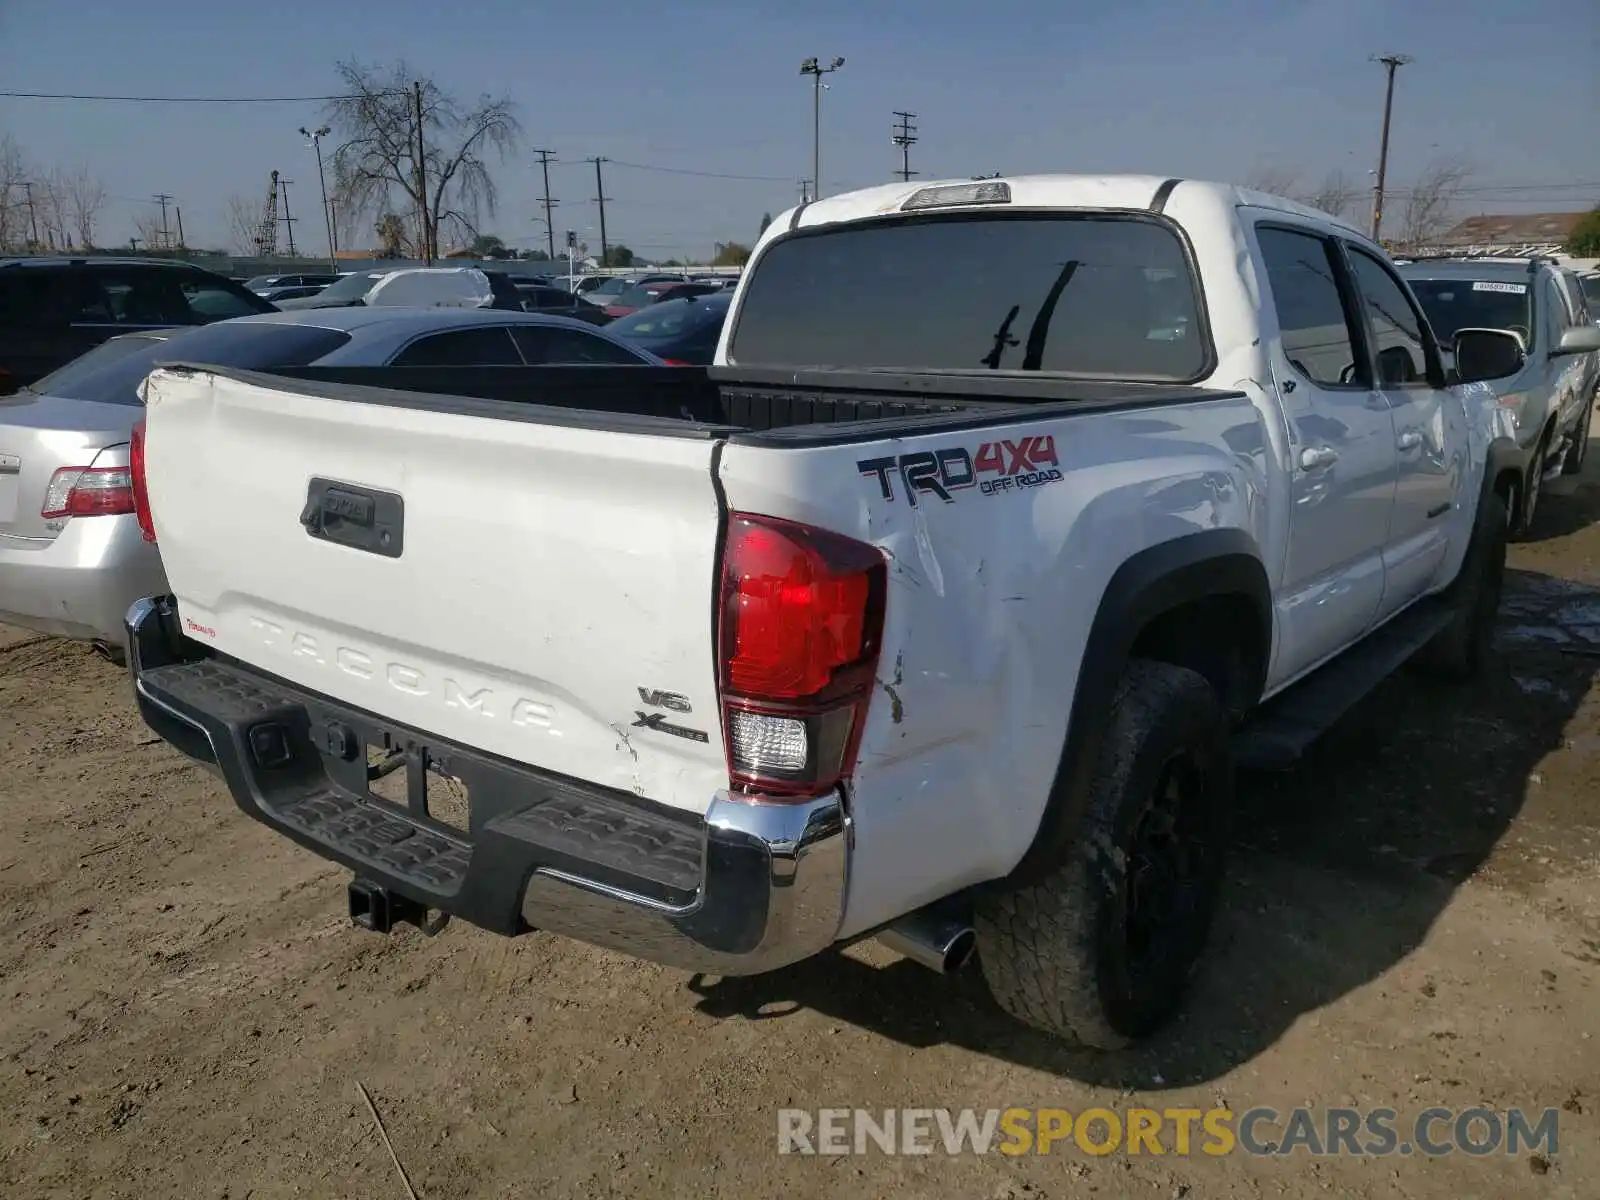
352, 232
377, 158
1274, 179
1430, 199
1336, 195
147, 228
244, 224
83, 198
50, 206
14, 231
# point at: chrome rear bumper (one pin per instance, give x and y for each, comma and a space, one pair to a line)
753, 885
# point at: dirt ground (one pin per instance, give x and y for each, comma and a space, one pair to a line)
1413, 919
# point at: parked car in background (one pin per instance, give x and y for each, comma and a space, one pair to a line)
261, 284
54, 309
445, 287
351, 289
72, 558
581, 284
606, 292
551, 299
298, 291
1545, 369
680, 332
646, 294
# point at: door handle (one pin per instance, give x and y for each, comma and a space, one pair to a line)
1314, 458
1409, 440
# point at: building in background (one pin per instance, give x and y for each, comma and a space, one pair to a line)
1514, 234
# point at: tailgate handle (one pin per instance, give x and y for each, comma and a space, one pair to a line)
357, 517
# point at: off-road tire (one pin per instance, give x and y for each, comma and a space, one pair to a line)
1532, 490
1572, 463
1459, 652
1061, 954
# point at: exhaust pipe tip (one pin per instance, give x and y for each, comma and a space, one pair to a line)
115, 655
938, 942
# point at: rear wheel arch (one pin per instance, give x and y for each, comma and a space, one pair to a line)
1200, 601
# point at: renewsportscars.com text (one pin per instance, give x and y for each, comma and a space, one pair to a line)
1376, 1132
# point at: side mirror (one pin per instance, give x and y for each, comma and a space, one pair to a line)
1580, 339
1487, 354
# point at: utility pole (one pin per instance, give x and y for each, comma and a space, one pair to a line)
422, 178
316, 136
600, 199
163, 199
179, 210
549, 220
288, 221
906, 137
33, 216
805, 191
1391, 64
814, 69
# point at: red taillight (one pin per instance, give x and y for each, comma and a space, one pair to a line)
799, 631
675, 362
141, 493
88, 492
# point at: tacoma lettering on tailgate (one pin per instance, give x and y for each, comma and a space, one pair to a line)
992, 468
387, 674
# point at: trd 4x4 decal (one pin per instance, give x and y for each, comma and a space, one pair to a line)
993, 468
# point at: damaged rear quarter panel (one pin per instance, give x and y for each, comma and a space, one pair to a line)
991, 597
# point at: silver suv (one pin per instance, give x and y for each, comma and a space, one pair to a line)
1549, 378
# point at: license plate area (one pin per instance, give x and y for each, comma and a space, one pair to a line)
407, 776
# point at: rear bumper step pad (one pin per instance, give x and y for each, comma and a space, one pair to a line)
751, 886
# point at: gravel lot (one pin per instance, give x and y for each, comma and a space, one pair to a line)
1413, 920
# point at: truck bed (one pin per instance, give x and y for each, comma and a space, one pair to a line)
736, 403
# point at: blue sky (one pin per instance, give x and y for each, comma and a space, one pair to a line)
1165, 86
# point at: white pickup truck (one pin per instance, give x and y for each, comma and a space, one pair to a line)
1014, 514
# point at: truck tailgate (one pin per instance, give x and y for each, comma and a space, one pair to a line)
537, 583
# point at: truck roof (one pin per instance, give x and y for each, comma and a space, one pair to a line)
1123, 192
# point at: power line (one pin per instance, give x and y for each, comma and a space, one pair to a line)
1391, 64
163, 199
600, 199
288, 221
186, 99
549, 220
905, 137
702, 174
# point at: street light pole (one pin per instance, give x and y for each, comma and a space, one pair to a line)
813, 68
316, 136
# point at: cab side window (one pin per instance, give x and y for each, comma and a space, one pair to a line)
1395, 326
1558, 315
1316, 334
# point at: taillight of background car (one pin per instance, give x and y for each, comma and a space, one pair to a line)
88, 492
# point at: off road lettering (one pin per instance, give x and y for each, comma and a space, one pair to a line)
992, 468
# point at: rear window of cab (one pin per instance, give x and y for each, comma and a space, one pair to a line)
1093, 296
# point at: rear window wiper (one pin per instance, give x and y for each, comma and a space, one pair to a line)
1039, 331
